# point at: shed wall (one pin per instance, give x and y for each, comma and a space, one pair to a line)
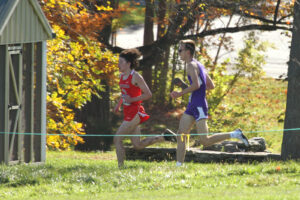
24, 26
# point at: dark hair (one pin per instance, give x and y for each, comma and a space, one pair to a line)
189, 45
132, 56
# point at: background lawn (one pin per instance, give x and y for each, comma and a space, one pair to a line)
75, 175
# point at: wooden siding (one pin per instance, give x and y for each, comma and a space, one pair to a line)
24, 26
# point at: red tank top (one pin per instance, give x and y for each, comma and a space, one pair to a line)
127, 88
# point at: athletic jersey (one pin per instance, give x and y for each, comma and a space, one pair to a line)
198, 97
127, 88
130, 110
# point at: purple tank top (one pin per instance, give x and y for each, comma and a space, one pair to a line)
198, 97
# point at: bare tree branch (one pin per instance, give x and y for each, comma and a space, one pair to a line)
231, 4
284, 17
235, 7
276, 12
159, 46
236, 29
262, 19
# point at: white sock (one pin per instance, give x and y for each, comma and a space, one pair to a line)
235, 134
178, 164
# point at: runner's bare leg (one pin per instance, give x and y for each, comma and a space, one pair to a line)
127, 127
206, 140
140, 144
185, 125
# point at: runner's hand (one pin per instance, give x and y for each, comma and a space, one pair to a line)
127, 99
175, 94
116, 109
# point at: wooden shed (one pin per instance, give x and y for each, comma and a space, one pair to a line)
24, 30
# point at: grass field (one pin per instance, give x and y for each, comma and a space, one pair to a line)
75, 175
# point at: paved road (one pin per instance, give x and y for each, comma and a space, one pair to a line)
276, 58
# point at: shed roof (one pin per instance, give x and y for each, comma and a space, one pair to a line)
23, 21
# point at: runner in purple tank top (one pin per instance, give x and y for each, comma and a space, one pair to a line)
197, 106
196, 111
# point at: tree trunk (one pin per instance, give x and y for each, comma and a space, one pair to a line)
161, 69
174, 63
113, 37
148, 39
163, 78
96, 117
105, 34
291, 139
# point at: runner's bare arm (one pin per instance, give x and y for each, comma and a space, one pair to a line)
117, 107
192, 71
209, 83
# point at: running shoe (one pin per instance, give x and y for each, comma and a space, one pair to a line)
238, 133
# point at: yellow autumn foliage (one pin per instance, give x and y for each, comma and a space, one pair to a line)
75, 66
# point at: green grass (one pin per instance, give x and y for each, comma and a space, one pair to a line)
74, 175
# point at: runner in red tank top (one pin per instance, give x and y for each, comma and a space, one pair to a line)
134, 90
130, 90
